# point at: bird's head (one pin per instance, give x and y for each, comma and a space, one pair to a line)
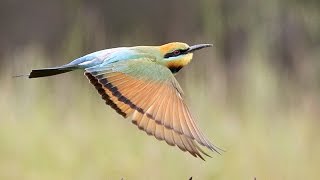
176, 55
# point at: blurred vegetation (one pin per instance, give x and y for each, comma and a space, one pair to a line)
255, 94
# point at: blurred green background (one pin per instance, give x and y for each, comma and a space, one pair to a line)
255, 94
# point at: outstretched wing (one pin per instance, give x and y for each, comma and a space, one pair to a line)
149, 94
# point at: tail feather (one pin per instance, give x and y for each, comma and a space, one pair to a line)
48, 72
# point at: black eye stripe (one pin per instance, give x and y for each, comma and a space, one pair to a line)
174, 53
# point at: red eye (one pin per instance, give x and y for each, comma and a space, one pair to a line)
176, 52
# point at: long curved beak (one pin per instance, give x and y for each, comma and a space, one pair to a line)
197, 47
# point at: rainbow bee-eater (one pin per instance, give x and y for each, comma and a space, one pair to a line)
138, 82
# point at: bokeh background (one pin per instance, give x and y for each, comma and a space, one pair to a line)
255, 94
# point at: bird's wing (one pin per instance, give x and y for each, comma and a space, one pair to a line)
149, 94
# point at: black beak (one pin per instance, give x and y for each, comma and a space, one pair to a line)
197, 47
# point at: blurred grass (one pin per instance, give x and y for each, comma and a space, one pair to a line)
59, 128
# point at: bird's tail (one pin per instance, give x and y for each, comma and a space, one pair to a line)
49, 71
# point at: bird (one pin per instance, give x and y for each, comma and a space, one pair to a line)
138, 83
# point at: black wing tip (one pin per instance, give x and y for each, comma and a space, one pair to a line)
212, 148
201, 157
218, 150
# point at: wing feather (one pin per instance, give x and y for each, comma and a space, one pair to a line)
149, 94
167, 119
159, 132
168, 136
178, 141
136, 117
151, 127
176, 121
